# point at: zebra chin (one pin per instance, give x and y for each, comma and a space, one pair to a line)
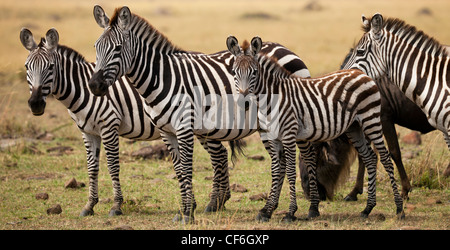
98, 85
37, 109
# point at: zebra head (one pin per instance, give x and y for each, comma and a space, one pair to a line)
245, 67
40, 67
114, 49
367, 55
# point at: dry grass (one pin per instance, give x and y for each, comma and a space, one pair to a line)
321, 38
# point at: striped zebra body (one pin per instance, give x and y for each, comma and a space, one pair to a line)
176, 84
304, 111
413, 61
64, 73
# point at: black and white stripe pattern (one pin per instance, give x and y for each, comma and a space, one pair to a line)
303, 111
175, 84
413, 61
64, 73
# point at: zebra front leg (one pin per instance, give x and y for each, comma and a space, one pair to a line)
111, 144
278, 172
186, 149
309, 154
221, 184
92, 144
289, 155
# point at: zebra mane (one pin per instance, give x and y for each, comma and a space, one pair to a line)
77, 56
271, 64
138, 22
401, 28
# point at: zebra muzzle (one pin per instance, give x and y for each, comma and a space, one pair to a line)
36, 102
97, 84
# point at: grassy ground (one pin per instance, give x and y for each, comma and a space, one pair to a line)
321, 37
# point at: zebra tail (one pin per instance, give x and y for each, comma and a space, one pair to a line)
236, 145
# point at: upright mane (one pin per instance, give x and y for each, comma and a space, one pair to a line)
272, 65
401, 28
138, 22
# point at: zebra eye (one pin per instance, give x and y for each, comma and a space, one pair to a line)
359, 52
51, 66
118, 47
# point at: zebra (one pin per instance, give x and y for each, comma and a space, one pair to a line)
174, 82
63, 72
302, 111
415, 62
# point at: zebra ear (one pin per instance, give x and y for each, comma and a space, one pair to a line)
124, 18
376, 24
100, 16
365, 21
256, 45
233, 46
52, 39
26, 37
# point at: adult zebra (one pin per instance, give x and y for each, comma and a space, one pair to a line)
61, 71
165, 74
304, 111
412, 60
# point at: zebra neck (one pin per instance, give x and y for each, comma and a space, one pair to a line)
70, 82
418, 71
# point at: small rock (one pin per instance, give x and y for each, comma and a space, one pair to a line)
159, 151
42, 196
256, 157
413, 138
258, 197
238, 188
123, 227
72, 183
54, 210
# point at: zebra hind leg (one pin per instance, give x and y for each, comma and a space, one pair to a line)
369, 159
385, 159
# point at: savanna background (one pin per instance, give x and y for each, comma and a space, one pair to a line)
41, 154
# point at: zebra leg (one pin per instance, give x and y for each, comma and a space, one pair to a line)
186, 149
376, 136
111, 144
221, 184
278, 171
358, 188
309, 154
92, 144
369, 159
289, 155
173, 147
447, 138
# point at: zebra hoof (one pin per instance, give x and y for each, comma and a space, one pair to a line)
210, 209
313, 214
115, 212
87, 212
289, 218
183, 219
262, 217
401, 215
350, 198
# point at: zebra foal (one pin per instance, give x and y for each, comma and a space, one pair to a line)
61, 71
302, 111
415, 62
